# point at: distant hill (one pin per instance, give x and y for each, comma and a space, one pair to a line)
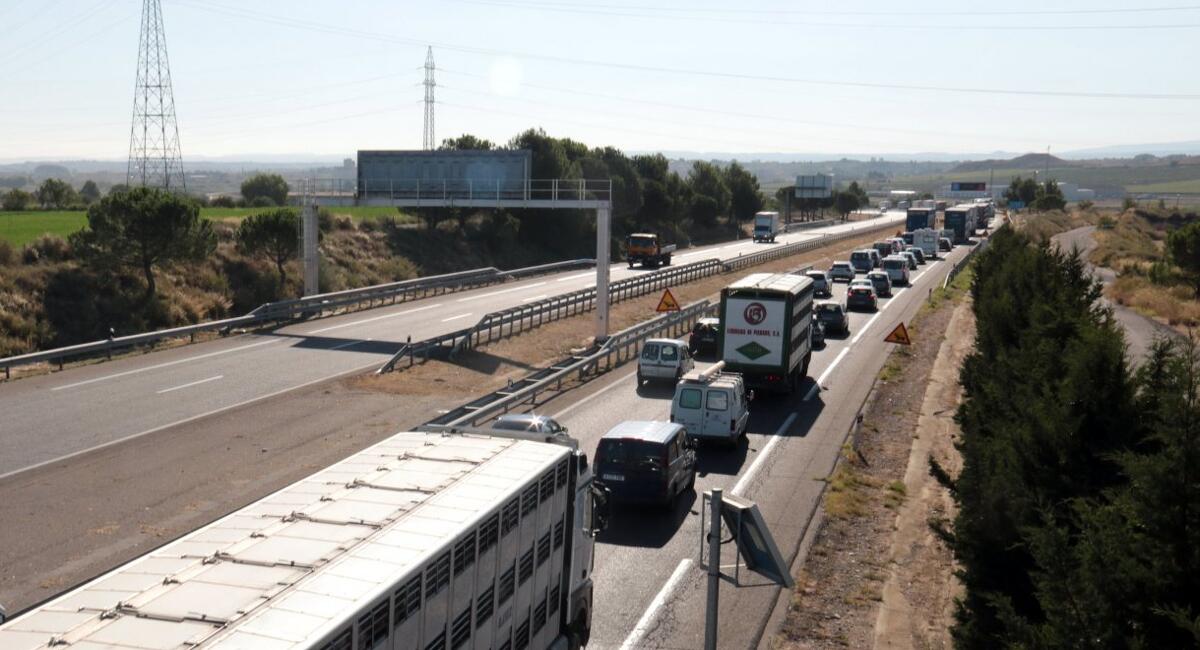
1184, 148
1027, 161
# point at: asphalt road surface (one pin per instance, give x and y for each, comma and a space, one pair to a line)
1140, 331
64, 414
650, 590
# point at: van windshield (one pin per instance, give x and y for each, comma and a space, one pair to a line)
627, 452
641, 242
893, 264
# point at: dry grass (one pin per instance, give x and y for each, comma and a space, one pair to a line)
1176, 306
1132, 243
1041, 226
850, 489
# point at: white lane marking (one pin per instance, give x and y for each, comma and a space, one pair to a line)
370, 320
533, 298
502, 291
889, 304
812, 392
189, 384
825, 375
593, 395
643, 625
193, 418
447, 320
346, 345
576, 277
740, 486
168, 363
865, 327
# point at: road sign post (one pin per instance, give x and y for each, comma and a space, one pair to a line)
603, 215
714, 570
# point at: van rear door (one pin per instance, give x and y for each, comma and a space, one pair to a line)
717, 410
687, 408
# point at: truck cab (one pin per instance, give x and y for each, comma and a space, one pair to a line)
712, 405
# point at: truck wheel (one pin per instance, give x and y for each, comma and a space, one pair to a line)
691, 482
578, 633
640, 379
668, 262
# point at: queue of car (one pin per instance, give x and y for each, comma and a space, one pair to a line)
654, 461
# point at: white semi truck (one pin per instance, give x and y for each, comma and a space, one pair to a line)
765, 323
474, 539
926, 239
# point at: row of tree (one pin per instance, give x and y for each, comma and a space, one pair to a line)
258, 191
139, 230
1041, 197
1079, 496
52, 194
647, 195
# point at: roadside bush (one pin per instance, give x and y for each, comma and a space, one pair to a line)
324, 220
1086, 205
251, 284
223, 202
7, 255
47, 248
263, 202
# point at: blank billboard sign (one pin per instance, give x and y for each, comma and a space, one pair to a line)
816, 186
458, 172
968, 187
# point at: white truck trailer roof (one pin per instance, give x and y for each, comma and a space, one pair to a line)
780, 282
288, 570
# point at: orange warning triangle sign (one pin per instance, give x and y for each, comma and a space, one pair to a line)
898, 335
667, 302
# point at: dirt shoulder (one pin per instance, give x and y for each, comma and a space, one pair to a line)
876, 574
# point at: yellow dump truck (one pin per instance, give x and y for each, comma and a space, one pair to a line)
645, 249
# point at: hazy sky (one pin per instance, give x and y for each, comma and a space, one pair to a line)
871, 76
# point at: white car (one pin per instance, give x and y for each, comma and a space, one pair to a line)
664, 359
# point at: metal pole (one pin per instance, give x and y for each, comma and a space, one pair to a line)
310, 253
603, 216
714, 570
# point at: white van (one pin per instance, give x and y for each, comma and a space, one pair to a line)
664, 359
712, 405
896, 267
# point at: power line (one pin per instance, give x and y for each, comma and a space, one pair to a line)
759, 18
826, 12
634, 67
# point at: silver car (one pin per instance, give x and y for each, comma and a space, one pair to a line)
912, 260
842, 271
821, 284
529, 422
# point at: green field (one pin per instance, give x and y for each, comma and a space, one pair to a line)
20, 228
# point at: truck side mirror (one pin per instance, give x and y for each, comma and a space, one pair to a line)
600, 509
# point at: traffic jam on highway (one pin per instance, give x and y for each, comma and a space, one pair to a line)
575, 525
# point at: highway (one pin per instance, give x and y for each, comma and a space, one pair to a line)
650, 591
65, 414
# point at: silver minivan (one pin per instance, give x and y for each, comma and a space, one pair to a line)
712, 405
897, 269
667, 359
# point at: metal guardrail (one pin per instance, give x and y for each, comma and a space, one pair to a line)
619, 348
962, 264
502, 324
307, 307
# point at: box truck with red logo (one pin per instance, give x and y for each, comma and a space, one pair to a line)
765, 329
